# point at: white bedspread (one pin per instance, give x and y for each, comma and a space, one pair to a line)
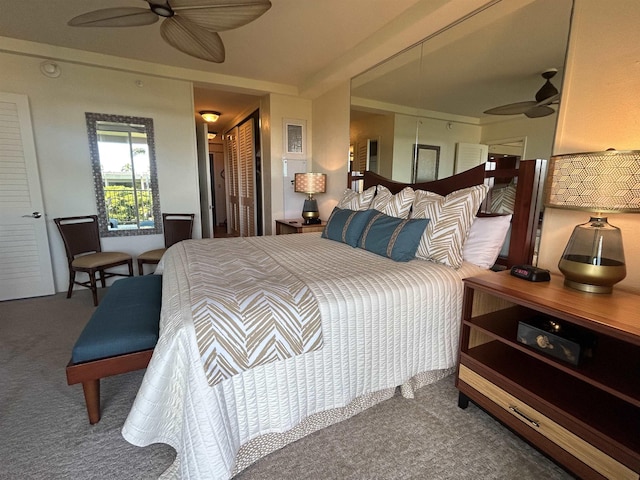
383, 322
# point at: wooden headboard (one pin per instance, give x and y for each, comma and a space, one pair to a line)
529, 178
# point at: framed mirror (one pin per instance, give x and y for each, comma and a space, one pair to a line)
426, 159
438, 92
124, 173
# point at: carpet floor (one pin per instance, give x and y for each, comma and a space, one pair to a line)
45, 433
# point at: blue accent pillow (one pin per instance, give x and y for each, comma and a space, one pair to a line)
392, 237
346, 225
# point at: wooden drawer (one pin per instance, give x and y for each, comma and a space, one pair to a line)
585, 452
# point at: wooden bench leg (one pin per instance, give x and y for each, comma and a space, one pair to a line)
91, 390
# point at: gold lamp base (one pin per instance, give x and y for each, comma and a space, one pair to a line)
310, 212
591, 278
593, 260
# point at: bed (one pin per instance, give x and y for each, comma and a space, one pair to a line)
373, 325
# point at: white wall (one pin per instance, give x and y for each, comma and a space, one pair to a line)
58, 107
428, 131
331, 144
599, 109
278, 108
539, 133
375, 127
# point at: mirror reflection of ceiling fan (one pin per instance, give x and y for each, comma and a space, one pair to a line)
547, 95
191, 26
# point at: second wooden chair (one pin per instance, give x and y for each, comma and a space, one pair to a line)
176, 227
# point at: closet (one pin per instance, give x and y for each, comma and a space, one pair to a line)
242, 168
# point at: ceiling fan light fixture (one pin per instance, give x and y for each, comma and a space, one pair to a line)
545, 96
210, 116
163, 10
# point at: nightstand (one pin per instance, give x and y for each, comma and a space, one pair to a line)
297, 226
585, 416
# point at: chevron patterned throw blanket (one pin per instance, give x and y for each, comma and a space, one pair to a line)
247, 309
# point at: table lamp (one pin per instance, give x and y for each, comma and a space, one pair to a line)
600, 182
310, 183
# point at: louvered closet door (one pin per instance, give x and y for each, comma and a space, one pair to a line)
362, 155
25, 262
232, 184
247, 179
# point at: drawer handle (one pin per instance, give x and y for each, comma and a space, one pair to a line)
518, 412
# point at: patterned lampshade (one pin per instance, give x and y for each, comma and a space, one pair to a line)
310, 183
606, 182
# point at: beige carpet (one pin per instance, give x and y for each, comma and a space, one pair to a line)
45, 434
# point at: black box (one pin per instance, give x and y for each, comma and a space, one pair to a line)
560, 340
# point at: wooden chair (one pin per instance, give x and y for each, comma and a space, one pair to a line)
84, 253
176, 227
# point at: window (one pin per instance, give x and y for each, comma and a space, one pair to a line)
124, 174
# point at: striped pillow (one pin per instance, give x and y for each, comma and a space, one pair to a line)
395, 238
397, 205
503, 199
352, 200
451, 219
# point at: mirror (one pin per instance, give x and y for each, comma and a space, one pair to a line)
436, 92
124, 173
426, 159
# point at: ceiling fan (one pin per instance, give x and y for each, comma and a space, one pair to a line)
191, 26
539, 107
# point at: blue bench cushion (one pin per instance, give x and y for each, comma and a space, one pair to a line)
126, 321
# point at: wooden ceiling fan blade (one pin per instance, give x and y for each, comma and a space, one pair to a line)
539, 111
115, 17
220, 15
192, 39
512, 108
548, 101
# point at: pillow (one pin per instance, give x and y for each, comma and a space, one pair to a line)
346, 225
352, 200
451, 218
392, 237
397, 205
485, 240
503, 199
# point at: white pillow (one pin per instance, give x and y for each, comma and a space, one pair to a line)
397, 205
451, 218
352, 200
485, 240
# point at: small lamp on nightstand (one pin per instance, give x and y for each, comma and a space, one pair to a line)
602, 182
310, 183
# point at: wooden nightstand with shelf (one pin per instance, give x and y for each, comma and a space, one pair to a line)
585, 416
284, 227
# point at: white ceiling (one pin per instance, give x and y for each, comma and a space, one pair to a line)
289, 44
296, 43
303, 35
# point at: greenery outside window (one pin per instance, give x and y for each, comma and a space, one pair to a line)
124, 174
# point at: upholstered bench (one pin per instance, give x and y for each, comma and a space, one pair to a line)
119, 337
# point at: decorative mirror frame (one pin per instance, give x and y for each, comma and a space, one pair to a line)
103, 221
